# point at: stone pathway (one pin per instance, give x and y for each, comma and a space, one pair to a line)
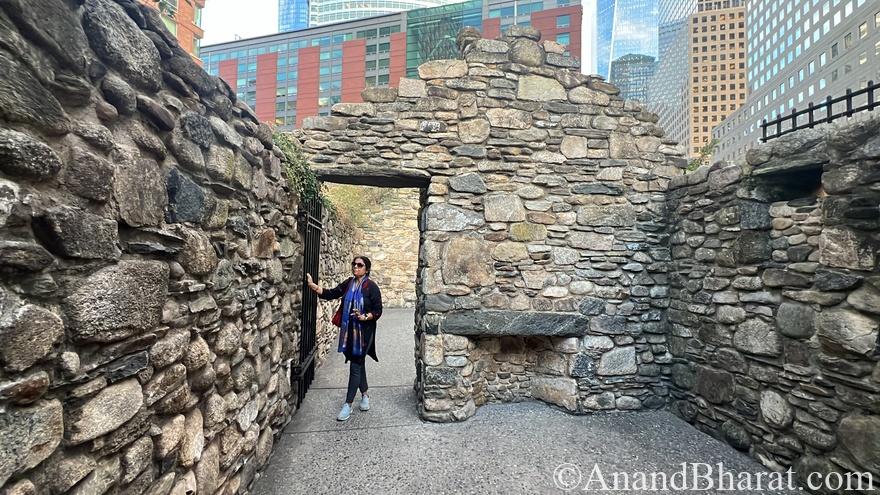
506, 448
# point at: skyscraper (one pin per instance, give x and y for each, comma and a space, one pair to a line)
668, 95
621, 28
293, 15
718, 83
672, 17
631, 74
800, 53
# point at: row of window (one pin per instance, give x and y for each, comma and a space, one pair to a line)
293, 46
724, 87
788, 30
321, 7
721, 47
521, 9
377, 64
717, 97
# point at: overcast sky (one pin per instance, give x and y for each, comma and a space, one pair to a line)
223, 20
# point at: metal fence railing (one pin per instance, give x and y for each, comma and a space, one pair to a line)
822, 113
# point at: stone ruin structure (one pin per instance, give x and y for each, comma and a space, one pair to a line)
565, 257
150, 263
542, 270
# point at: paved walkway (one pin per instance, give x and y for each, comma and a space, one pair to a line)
506, 448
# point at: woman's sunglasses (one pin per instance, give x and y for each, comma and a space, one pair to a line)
358, 265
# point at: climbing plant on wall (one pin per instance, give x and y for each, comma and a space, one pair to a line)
300, 177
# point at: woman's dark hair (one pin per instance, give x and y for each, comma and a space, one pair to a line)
367, 262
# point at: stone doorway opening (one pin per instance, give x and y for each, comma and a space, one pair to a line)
377, 217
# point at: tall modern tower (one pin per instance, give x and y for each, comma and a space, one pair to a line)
622, 29
800, 53
668, 89
293, 15
718, 83
323, 12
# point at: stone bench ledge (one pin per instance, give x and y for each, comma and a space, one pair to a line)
498, 322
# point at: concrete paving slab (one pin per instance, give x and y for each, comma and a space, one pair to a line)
389, 406
394, 347
528, 447
508, 448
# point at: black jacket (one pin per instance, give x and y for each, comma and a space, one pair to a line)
372, 304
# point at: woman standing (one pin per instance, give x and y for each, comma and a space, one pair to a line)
361, 307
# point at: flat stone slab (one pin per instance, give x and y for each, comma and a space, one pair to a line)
373, 175
514, 323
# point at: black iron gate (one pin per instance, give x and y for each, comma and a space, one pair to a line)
309, 219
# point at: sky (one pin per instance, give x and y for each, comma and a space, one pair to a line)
223, 20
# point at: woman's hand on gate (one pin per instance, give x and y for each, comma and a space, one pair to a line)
312, 285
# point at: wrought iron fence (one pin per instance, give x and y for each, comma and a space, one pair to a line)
309, 220
820, 114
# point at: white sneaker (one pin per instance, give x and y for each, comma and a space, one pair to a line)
365, 403
344, 413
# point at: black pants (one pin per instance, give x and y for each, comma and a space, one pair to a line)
357, 377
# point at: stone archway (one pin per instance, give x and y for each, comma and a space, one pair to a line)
542, 266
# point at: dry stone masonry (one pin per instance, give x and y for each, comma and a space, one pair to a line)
542, 270
338, 240
391, 240
150, 264
775, 300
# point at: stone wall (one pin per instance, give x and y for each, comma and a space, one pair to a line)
391, 240
775, 300
543, 216
149, 262
337, 245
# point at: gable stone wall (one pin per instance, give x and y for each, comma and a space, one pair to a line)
543, 260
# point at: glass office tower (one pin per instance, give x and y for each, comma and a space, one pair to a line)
668, 89
431, 32
293, 15
323, 12
623, 27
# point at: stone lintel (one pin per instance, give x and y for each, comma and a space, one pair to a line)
498, 322
787, 166
374, 176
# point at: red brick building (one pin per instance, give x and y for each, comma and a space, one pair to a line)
184, 19
287, 77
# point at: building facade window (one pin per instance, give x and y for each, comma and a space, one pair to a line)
170, 24
563, 21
